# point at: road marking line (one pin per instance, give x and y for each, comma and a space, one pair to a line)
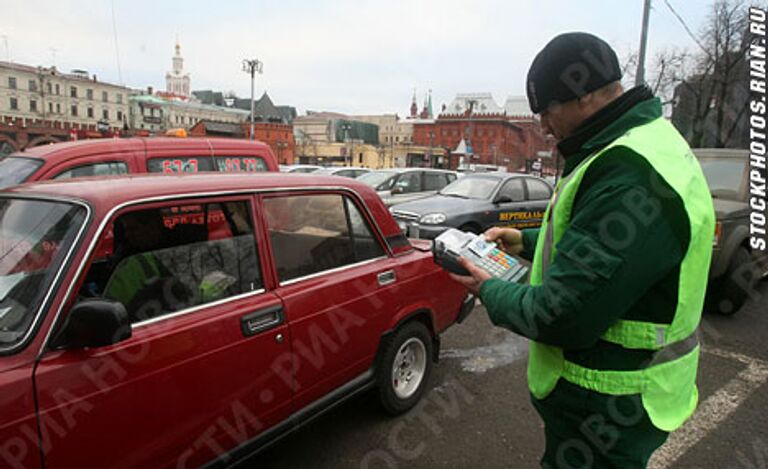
714, 410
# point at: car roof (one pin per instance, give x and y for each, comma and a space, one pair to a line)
59, 152
326, 169
100, 191
403, 170
496, 175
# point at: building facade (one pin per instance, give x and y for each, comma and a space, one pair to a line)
473, 129
151, 114
43, 105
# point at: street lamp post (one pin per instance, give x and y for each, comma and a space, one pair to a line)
348, 141
431, 143
252, 66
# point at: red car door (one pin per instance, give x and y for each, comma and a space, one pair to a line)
196, 378
337, 284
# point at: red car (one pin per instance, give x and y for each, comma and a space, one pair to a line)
226, 311
102, 157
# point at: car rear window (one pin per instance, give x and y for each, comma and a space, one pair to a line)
15, 170
171, 165
313, 233
241, 164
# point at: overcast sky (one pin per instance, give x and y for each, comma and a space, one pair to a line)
356, 56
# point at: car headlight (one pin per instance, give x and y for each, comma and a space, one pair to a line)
432, 218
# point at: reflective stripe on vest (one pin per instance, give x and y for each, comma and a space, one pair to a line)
667, 383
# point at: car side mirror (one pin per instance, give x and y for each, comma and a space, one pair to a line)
94, 323
396, 190
502, 199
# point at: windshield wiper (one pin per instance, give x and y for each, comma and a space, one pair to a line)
454, 195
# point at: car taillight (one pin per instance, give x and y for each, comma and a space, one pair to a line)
718, 231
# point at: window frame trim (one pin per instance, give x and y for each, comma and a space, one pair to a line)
370, 220
60, 274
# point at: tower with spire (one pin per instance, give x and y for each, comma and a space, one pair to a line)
414, 106
177, 81
426, 112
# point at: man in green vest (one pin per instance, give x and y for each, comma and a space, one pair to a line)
619, 266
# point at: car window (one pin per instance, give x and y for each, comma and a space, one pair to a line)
15, 170
379, 180
434, 181
241, 164
724, 176
96, 169
513, 189
313, 233
192, 164
344, 173
538, 190
409, 182
172, 258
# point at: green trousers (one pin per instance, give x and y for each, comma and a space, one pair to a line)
585, 430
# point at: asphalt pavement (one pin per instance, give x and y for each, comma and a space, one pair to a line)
477, 412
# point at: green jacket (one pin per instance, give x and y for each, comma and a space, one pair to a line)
643, 286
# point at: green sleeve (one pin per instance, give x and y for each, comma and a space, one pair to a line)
530, 235
601, 267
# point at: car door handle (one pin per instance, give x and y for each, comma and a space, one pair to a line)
386, 277
262, 320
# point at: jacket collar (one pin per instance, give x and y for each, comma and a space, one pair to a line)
634, 108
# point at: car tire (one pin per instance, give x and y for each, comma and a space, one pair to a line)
727, 294
404, 368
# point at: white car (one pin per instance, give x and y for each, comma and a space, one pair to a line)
398, 185
299, 168
346, 171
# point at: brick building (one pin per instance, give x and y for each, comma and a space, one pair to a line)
475, 130
278, 136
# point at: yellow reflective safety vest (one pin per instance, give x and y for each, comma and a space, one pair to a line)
667, 384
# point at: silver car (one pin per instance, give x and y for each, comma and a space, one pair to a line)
346, 171
399, 185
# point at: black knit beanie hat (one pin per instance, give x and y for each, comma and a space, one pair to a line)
570, 66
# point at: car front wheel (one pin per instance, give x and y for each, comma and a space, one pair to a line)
406, 363
728, 293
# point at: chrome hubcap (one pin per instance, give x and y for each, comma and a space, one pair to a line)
408, 368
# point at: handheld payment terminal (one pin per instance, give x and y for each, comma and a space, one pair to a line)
452, 244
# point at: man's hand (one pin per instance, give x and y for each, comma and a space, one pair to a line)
475, 278
508, 239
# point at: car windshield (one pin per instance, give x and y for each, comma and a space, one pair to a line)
15, 170
327, 170
379, 180
724, 176
34, 238
470, 187
303, 169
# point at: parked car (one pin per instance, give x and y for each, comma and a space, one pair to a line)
475, 203
346, 171
101, 157
299, 168
398, 185
735, 265
226, 311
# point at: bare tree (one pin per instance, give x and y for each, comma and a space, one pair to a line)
666, 71
710, 100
